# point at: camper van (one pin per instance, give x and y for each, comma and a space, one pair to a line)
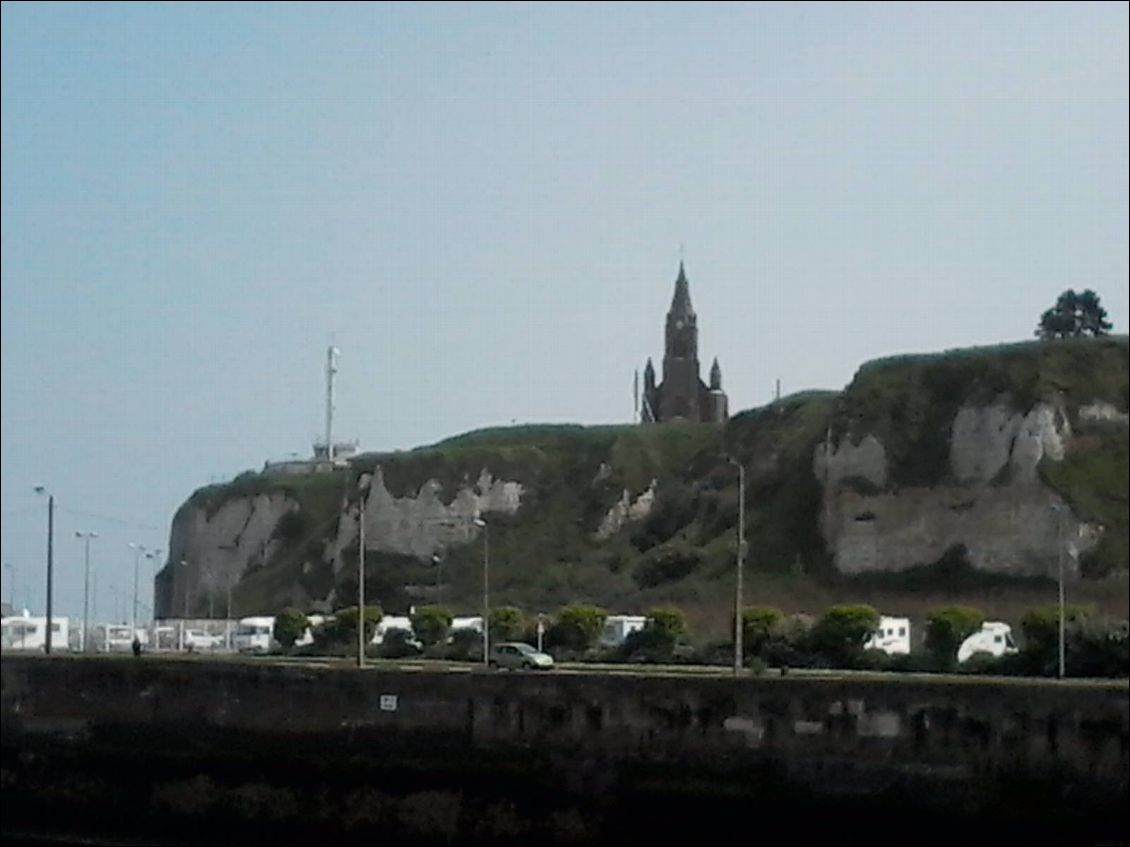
994, 638
255, 635
619, 627
892, 637
115, 638
23, 632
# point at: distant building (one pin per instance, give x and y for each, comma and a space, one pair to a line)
682, 396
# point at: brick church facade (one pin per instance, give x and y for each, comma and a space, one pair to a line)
682, 396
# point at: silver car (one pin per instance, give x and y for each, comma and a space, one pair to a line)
518, 656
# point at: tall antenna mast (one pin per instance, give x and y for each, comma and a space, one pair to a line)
636, 397
331, 368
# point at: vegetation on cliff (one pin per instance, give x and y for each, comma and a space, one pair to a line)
682, 553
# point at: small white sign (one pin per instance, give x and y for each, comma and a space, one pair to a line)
388, 702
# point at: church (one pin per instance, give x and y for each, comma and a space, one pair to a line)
682, 396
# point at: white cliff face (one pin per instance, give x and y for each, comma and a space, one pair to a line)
994, 503
626, 510
218, 549
422, 525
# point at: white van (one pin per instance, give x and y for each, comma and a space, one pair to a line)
24, 632
892, 637
255, 635
619, 627
994, 638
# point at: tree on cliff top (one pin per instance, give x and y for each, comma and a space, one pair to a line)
1074, 315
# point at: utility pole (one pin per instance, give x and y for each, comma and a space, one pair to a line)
363, 485
39, 489
738, 628
86, 536
486, 590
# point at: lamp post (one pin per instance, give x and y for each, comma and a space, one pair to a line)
363, 487
86, 537
11, 569
138, 549
154, 556
1058, 509
738, 633
39, 489
486, 590
184, 620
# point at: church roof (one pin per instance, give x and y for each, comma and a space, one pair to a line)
681, 302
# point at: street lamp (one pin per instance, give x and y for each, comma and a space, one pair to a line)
363, 487
11, 569
486, 590
86, 537
154, 557
184, 620
39, 489
138, 549
1059, 510
738, 634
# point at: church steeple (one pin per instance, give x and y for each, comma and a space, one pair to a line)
681, 302
715, 376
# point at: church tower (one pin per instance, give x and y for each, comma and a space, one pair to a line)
682, 396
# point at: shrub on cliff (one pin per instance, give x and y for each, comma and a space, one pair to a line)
667, 563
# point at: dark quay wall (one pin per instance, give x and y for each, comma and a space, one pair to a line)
186, 751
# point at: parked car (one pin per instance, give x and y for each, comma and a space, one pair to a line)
198, 639
517, 656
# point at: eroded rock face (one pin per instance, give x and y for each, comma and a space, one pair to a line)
422, 525
626, 510
994, 503
218, 549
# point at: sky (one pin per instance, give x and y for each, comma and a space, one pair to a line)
484, 208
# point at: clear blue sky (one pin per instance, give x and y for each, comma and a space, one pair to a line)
484, 205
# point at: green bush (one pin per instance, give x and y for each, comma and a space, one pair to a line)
839, 634
340, 632
397, 644
789, 643
507, 623
290, 625
1094, 646
466, 645
1041, 636
758, 626
946, 629
658, 639
431, 624
576, 627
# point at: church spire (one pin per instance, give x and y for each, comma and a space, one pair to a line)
715, 376
681, 302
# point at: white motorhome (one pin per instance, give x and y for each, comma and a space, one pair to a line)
23, 632
115, 638
255, 635
994, 638
619, 627
892, 637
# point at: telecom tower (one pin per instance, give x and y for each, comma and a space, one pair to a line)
331, 369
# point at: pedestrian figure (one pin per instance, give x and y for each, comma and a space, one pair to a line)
136, 646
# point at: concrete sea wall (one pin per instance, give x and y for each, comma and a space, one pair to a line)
569, 757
